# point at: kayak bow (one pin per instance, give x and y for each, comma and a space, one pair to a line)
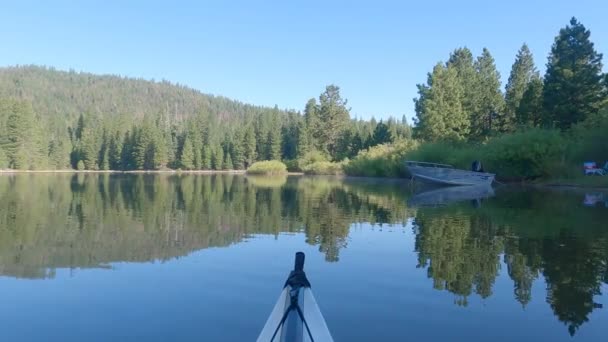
296, 316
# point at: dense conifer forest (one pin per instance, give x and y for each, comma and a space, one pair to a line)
538, 126
52, 119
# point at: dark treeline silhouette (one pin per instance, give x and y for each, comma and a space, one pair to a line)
53, 119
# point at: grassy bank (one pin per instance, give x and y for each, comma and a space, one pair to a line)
531, 155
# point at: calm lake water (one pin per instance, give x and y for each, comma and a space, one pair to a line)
203, 258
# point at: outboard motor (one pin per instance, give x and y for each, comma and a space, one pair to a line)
477, 166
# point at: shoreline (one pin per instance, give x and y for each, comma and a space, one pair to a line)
129, 171
548, 184
236, 172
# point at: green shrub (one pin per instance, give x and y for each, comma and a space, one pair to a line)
324, 168
80, 165
292, 165
267, 167
385, 160
310, 158
589, 142
525, 155
456, 154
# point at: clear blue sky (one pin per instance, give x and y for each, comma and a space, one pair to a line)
285, 52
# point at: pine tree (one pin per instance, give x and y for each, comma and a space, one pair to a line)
573, 88
261, 137
127, 152
90, 147
357, 144
228, 162
18, 128
489, 115
530, 110
206, 158
38, 143
344, 148
249, 146
105, 162
159, 149
187, 155
237, 151
382, 134
334, 115
439, 111
140, 147
289, 136
115, 151
3, 159
59, 151
462, 61
197, 150
217, 157
103, 155
274, 144
523, 72
313, 123
303, 144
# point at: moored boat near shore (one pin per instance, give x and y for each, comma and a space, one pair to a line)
447, 174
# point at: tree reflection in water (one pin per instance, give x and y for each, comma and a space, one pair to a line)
51, 221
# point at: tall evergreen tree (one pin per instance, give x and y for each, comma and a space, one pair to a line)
187, 156
228, 162
314, 126
489, 115
104, 155
439, 111
141, 142
290, 136
115, 151
23, 142
274, 144
206, 158
334, 115
523, 72
3, 159
530, 110
127, 152
249, 146
382, 134
236, 147
574, 86
462, 61
262, 128
303, 144
217, 157
90, 147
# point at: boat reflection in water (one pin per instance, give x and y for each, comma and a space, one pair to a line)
442, 196
593, 199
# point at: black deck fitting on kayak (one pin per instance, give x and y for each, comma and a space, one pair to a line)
297, 280
297, 277
299, 264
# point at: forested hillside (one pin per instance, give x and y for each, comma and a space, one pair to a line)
52, 119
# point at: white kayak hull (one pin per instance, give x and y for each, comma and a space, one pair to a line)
296, 316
